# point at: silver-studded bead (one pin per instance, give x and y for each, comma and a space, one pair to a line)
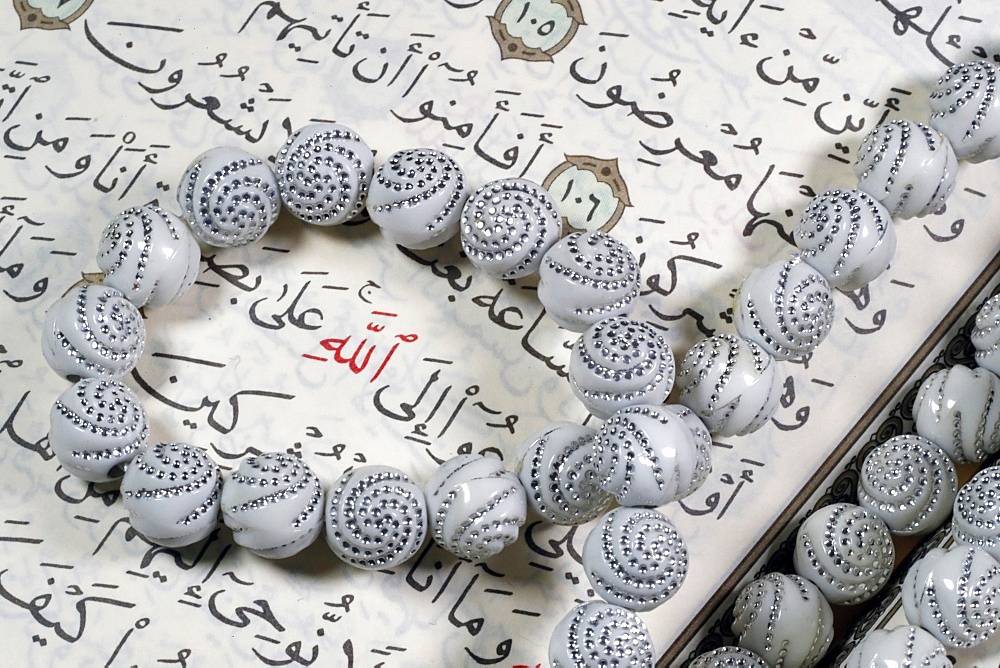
93, 332
976, 520
323, 172
901, 647
375, 517
986, 335
635, 558
966, 110
171, 492
729, 656
958, 409
274, 505
587, 277
599, 634
96, 427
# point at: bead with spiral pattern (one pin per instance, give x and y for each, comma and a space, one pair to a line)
957, 409
976, 517
900, 647
965, 109
598, 634
986, 335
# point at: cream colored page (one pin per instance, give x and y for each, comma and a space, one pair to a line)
696, 132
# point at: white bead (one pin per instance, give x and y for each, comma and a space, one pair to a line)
475, 507
964, 108
274, 505
620, 362
375, 517
909, 483
507, 225
958, 409
599, 634
149, 254
635, 558
587, 277
786, 308
96, 427
901, 647
846, 551
417, 197
323, 172
847, 236
94, 331
784, 619
908, 167
728, 657
171, 492
732, 384
986, 335
647, 456
954, 594
228, 197
976, 520
558, 474
702, 439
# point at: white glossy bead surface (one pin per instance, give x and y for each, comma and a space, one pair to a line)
966, 110
786, 308
416, 198
976, 517
323, 173
96, 427
229, 197
376, 517
273, 503
846, 551
92, 332
954, 594
635, 558
620, 362
507, 225
728, 657
587, 277
908, 167
559, 475
909, 483
847, 236
599, 634
149, 254
986, 335
958, 409
732, 384
475, 507
785, 620
901, 647
702, 439
646, 456
171, 492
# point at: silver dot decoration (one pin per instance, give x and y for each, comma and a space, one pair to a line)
976, 518
964, 108
847, 236
598, 634
909, 483
728, 657
96, 427
635, 558
94, 331
620, 362
475, 507
376, 517
229, 197
785, 620
846, 551
323, 173
702, 439
954, 594
986, 335
171, 492
417, 197
786, 308
902, 647
908, 167
647, 456
274, 505
957, 409
732, 384
149, 254
559, 475
587, 277
506, 227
